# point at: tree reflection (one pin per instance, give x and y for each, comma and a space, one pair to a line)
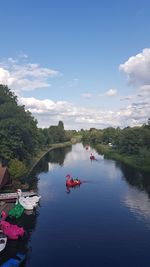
135, 178
54, 156
58, 155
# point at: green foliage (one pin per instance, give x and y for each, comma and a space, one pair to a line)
18, 129
129, 145
93, 135
16, 168
61, 125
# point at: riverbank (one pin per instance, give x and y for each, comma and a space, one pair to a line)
22, 183
140, 163
41, 153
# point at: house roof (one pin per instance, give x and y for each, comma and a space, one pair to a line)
2, 172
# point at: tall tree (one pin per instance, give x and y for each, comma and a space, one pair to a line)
18, 129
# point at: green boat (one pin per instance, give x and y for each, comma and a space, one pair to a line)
16, 211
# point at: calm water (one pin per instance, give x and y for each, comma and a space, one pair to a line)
104, 222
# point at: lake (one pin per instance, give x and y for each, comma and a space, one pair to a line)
103, 222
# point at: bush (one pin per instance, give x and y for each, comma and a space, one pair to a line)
16, 168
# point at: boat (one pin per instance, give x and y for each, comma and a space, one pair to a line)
72, 182
3, 240
92, 157
14, 262
16, 211
12, 231
28, 203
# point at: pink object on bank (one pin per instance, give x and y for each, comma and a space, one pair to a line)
12, 231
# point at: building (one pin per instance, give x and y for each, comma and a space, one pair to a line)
4, 176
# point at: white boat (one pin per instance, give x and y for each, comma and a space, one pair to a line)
29, 203
3, 240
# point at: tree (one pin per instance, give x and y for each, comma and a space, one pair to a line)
18, 129
60, 124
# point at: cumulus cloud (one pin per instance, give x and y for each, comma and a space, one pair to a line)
111, 92
5, 77
24, 76
49, 112
137, 68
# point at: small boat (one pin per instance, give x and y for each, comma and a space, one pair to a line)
16, 211
92, 157
3, 240
14, 262
28, 203
12, 231
72, 182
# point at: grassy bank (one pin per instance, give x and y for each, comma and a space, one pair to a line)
21, 183
42, 152
141, 163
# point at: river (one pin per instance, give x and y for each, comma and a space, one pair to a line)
103, 222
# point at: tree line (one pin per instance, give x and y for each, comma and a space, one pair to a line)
20, 138
130, 145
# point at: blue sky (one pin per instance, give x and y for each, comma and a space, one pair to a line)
84, 62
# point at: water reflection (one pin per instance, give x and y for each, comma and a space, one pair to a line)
138, 203
69, 188
135, 178
58, 155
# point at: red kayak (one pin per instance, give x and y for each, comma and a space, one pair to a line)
72, 182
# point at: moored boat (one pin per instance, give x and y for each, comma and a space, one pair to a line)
3, 240
28, 203
92, 157
12, 231
14, 262
16, 211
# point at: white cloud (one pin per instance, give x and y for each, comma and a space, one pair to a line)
73, 83
111, 92
137, 68
87, 95
138, 203
145, 88
48, 112
5, 77
23, 76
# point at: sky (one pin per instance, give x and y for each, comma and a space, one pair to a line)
84, 62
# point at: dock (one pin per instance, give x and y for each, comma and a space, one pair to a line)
14, 196
6, 206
